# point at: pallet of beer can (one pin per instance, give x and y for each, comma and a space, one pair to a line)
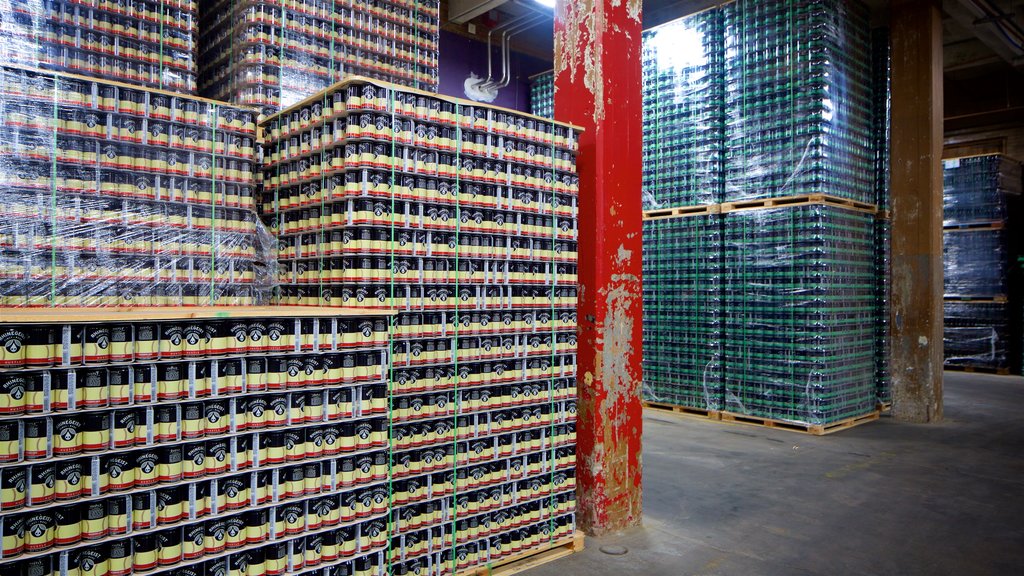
462, 217
542, 94
682, 329
119, 195
881, 57
684, 112
798, 301
797, 129
195, 444
273, 54
149, 43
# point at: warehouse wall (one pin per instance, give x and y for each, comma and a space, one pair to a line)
460, 56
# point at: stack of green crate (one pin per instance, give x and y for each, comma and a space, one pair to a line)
754, 101
542, 94
978, 250
683, 104
800, 283
683, 311
798, 99
798, 296
880, 71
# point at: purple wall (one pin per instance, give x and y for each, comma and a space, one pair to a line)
460, 55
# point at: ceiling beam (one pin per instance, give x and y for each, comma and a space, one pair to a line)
462, 11
971, 16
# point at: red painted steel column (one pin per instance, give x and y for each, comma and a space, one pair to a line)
597, 87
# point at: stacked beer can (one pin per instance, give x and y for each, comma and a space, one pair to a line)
150, 43
542, 94
684, 107
463, 218
774, 100
683, 311
979, 194
273, 54
881, 58
218, 443
123, 196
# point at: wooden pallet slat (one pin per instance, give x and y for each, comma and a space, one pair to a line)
813, 429
531, 559
977, 369
976, 299
798, 200
973, 226
703, 413
681, 211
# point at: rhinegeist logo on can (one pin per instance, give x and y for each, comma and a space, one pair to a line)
12, 340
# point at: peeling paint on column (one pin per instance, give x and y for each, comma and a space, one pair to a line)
597, 60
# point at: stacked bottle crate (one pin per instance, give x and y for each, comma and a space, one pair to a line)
798, 286
273, 54
463, 218
542, 94
682, 324
762, 112
798, 100
146, 42
120, 196
880, 71
214, 442
977, 196
683, 100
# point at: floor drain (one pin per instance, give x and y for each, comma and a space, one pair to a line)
614, 550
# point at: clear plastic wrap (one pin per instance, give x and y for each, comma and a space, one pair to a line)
881, 72
542, 94
683, 101
121, 196
974, 189
273, 54
976, 334
146, 42
682, 325
162, 441
799, 295
463, 217
798, 99
976, 262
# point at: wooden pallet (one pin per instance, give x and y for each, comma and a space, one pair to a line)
681, 211
973, 227
815, 429
684, 410
884, 407
531, 559
799, 200
976, 299
978, 370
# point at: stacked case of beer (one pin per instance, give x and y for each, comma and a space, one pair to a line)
125, 196
249, 441
463, 218
542, 94
759, 149
979, 195
150, 43
273, 54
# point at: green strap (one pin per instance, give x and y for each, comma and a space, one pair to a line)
455, 339
53, 194
213, 206
391, 337
554, 342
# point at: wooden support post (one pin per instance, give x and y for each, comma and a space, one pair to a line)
597, 87
916, 173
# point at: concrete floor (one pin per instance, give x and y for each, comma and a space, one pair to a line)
882, 498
